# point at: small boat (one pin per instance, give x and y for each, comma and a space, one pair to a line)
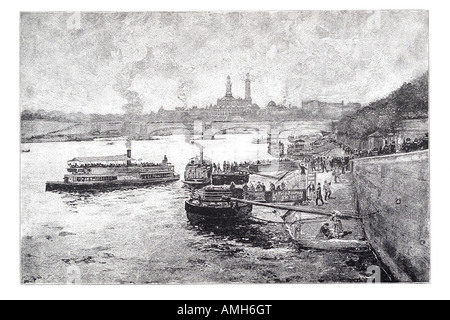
110, 143
211, 205
198, 172
293, 139
299, 227
332, 244
348, 240
260, 140
26, 150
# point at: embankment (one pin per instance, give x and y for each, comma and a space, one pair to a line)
392, 195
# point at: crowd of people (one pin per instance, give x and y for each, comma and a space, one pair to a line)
229, 167
326, 163
319, 193
110, 164
405, 145
97, 164
260, 186
107, 164
268, 161
409, 144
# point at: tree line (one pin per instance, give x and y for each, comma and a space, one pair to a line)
410, 101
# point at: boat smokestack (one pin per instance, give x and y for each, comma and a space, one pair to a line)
128, 145
201, 154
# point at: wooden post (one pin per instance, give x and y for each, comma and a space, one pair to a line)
294, 208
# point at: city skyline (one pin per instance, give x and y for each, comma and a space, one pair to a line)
116, 62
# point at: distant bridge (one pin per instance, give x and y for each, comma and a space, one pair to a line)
272, 129
222, 127
202, 129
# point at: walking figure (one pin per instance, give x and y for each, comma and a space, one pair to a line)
319, 195
327, 189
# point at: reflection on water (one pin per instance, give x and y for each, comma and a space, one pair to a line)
143, 235
245, 232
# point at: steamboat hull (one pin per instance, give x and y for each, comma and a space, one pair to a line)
222, 213
222, 179
197, 184
107, 185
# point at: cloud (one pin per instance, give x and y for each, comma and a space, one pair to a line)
173, 59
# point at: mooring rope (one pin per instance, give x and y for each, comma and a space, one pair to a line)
290, 223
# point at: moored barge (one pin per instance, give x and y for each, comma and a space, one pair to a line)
237, 177
212, 205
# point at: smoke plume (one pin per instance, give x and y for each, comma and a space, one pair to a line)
183, 91
124, 79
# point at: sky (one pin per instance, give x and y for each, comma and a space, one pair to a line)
138, 62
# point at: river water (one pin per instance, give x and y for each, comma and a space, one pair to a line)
143, 236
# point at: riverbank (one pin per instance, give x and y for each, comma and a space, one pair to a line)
343, 199
393, 200
143, 235
57, 138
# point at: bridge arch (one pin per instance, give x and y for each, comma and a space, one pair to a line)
150, 129
154, 131
219, 127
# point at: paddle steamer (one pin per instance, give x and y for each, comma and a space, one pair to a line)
112, 172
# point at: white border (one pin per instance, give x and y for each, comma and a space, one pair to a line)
10, 287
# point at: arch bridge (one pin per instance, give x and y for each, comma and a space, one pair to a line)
204, 129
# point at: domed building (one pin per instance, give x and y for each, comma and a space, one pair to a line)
231, 107
271, 105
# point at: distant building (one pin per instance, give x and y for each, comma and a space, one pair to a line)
229, 107
272, 106
405, 129
274, 109
412, 128
329, 109
376, 140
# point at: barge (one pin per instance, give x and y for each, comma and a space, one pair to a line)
212, 204
226, 178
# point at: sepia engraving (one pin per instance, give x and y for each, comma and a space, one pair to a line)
224, 147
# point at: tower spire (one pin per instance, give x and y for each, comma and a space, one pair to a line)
248, 94
228, 88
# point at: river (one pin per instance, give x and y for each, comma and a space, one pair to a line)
143, 236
